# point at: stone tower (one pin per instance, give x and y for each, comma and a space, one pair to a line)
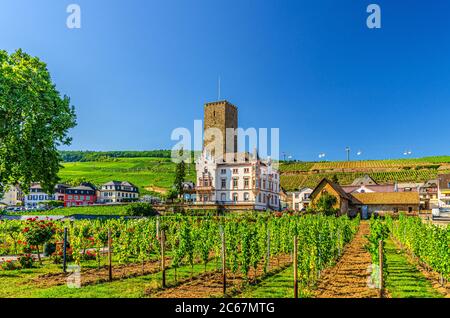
220, 115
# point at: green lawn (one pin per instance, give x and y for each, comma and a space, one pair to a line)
17, 284
279, 285
92, 210
404, 279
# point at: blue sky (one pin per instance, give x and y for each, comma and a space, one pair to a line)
137, 69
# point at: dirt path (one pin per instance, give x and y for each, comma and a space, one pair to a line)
348, 279
156, 189
95, 276
210, 284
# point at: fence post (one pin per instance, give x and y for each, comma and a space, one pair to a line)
380, 261
339, 243
295, 268
110, 255
224, 264
65, 251
157, 227
163, 260
268, 250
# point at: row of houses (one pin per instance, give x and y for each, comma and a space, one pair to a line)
366, 196
82, 195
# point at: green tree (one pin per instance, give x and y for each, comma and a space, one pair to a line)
180, 174
335, 179
171, 195
325, 204
34, 121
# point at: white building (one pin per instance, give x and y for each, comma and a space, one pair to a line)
300, 198
118, 191
37, 197
12, 196
243, 182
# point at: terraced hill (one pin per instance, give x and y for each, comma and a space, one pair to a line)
151, 175
308, 174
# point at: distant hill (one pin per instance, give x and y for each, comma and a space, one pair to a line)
86, 156
155, 174
151, 175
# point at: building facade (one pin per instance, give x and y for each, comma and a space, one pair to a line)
220, 117
37, 197
80, 196
444, 191
367, 203
226, 177
244, 183
301, 199
428, 194
118, 191
13, 196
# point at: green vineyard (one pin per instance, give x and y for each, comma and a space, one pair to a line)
292, 182
253, 245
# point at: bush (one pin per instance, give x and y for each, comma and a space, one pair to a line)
57, 257
26, 261
88, 256
9, 265
140, 209
49, 248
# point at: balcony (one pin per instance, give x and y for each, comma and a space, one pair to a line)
208, 188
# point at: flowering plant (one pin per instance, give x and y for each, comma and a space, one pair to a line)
26, 261
9, 265
89, 255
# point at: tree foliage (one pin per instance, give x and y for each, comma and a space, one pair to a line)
325, 204
34, 121
180, 174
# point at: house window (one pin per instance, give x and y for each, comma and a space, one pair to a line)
246, 183
297, 195
259, 197
224, 183
88, 198
246, 170
70, 197
246, 196
264, 198
235, 183
264, 184
235, 171
296, 206
223, 171
235, 197
223, 197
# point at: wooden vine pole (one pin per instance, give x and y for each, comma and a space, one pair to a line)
110, 255
380, 261
224, 264
163, 260
295, 268
65, 251
268, 250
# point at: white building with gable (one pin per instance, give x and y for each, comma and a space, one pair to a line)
244, 182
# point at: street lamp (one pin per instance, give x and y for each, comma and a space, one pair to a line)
347, 149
